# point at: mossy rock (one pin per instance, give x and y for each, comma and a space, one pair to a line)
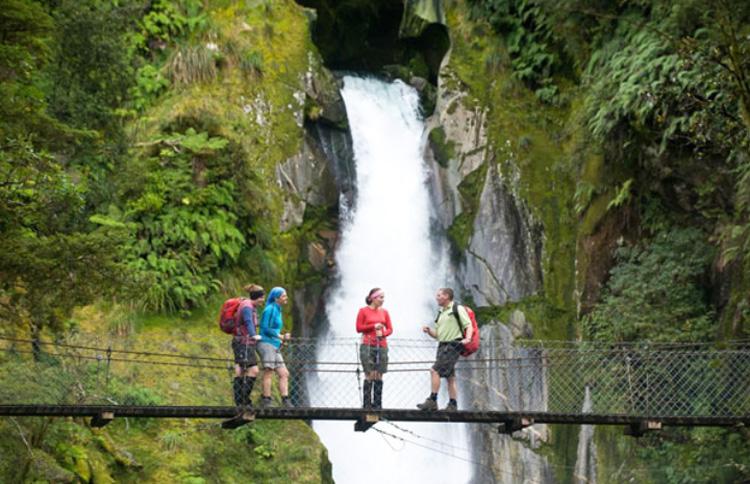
443, 148
420, 14
470, 190
44, 468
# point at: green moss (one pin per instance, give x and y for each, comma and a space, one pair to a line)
470, 189
460, 231
159, 450
547, 320
444, 150
530, 139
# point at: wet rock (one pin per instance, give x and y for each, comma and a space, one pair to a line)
503, 260
324, 102
418, 15
508, 458
518, 325
316, 255
586, 462
499, 244
307, 179
457, 144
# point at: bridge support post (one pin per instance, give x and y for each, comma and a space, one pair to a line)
639, 428
365, 422
102, 419
514, 424
244, 417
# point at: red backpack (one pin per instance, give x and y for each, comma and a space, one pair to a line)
228, 315
472, 346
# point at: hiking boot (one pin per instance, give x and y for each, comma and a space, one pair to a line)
377, 395
367, 395
286, 402
451, 407
428, 405
266, 402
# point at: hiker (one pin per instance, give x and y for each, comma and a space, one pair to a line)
374, 322
243, 345
449, 331
269, 347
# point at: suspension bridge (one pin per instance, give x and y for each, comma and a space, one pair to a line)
512, 385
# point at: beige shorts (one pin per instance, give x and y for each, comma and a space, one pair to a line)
270, 356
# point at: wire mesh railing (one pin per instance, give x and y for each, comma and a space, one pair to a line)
635, 380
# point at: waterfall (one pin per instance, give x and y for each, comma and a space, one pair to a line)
585, 470
386, 243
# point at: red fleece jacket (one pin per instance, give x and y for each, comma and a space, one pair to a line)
367, 318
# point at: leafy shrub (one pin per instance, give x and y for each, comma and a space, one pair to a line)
91, 71
166, 20
524, 24
654, 292
149, 83
184, 220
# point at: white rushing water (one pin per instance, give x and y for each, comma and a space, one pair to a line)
585, 469
386, 243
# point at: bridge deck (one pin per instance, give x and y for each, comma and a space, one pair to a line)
404, 415
547, 382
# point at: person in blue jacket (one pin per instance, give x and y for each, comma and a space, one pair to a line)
269, 347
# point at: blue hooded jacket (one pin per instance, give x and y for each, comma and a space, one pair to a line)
271, 323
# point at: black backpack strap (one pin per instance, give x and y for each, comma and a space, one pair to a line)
458, 318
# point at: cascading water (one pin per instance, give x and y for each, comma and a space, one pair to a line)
585, 469
386, 243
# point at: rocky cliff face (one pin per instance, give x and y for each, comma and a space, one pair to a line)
498, 243
497, 248
318, 183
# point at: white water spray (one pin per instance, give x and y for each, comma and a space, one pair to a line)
386, 243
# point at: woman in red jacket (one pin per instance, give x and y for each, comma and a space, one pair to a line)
374, 323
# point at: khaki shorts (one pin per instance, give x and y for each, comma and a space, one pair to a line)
447, 356
270, 356
374, 358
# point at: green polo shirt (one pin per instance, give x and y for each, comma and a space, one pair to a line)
447, 326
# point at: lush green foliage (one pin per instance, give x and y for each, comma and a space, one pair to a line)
655, 293
128, 450
24, 49
51, 259
668, 101
184, 218
130, 179
91, 71
666, 96
717, 455
166, 219
530, 41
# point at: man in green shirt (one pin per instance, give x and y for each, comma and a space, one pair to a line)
451, 333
